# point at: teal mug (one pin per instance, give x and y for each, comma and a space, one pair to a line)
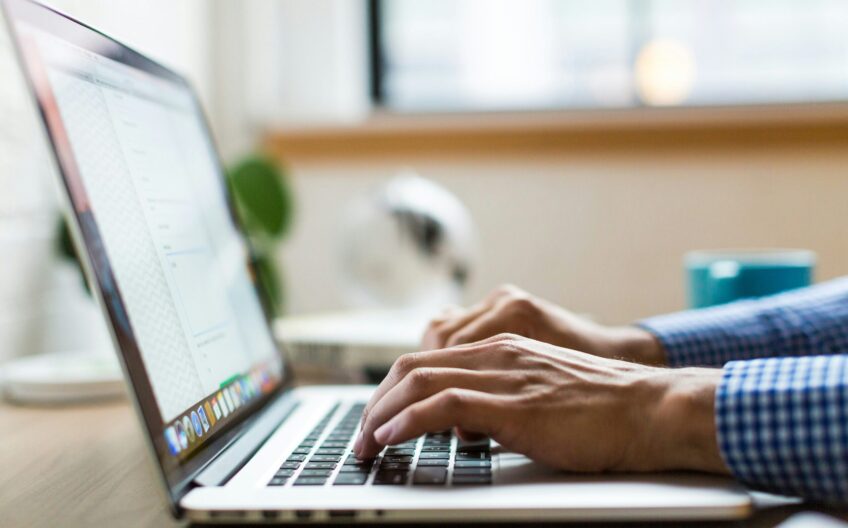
719, 277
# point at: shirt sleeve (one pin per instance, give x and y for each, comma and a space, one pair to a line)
782, 425
803, 322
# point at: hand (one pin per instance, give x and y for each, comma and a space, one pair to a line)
509, 309
566, 409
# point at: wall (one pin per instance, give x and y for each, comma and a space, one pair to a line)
602, 231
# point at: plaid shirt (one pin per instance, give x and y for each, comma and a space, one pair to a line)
782, 405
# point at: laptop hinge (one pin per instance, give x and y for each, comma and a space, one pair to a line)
238, 453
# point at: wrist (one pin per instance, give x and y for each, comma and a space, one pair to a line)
637, 345
681, 429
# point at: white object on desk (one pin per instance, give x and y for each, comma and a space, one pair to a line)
347, 343
62, 377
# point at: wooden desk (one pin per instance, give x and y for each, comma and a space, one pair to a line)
87, 466
77, 466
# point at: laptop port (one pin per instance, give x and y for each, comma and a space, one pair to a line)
270, 514
303, 514
342, 514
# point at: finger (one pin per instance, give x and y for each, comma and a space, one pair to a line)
474, 356
491, 323
442, 328
447, 314
469, 410
468, 436
420, 384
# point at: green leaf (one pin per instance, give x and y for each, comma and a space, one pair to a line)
262, 196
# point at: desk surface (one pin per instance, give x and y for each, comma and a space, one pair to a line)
87, 466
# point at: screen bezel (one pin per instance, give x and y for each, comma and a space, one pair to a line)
176, 475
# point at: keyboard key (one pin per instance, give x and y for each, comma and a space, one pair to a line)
397, 459
302, 451
425, 456
353, 460
397, 451
296, 458
356, 469
472, 471
350, 479
437, 462
393, 478
310, 481
333, 443
331, 451
472, 463
286, 473
436, 449
479, 455
278, 481
405, 445
430, 476
475, 445
316, 472
394, 466
320, 465
325, 458
290, 464
462, 480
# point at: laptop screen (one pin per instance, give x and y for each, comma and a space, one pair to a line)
147, 191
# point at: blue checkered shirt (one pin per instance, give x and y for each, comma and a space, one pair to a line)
782, 404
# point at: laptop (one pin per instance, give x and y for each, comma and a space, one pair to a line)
234, 440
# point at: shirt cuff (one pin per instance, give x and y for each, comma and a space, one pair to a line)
712, 336
782, 425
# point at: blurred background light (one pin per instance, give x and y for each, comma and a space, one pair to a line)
665, 73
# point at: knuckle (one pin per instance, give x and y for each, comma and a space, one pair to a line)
436, 322
506, 337
452, 399
405, 363
421, 377
531, 377
522, 305
510, 351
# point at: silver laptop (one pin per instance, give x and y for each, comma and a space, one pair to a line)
232, 438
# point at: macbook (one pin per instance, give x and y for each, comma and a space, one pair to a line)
233, 438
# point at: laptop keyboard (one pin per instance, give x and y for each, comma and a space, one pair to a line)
436, 459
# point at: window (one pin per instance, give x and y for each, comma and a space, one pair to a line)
479, 55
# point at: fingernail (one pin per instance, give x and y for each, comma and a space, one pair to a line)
358, 443
384, 433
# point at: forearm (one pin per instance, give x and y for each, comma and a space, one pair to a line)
805, 322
